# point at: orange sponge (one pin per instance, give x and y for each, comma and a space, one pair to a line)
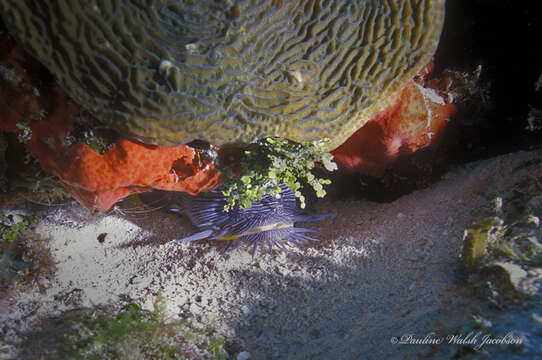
413, 120
96, 181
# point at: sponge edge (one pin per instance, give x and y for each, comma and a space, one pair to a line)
414, 119
229, 72
96, 180
269, 222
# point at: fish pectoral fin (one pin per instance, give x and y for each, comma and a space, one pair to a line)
197, 236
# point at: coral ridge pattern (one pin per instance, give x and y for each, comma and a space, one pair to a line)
168, 72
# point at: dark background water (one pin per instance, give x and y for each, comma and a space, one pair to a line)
504, 37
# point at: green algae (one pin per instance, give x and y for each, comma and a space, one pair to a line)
271, 162
25, 257
129, 333
489, 240
476, 240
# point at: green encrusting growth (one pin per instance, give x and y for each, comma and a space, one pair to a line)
24, 255
507, 257
476, 239
131, 333
11, 229
271, 162
490, 240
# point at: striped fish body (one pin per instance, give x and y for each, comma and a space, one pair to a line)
269, 222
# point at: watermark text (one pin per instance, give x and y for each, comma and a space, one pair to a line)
477, 339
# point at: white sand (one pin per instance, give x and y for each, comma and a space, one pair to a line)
380, 270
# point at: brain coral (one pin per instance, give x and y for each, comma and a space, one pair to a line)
170, 71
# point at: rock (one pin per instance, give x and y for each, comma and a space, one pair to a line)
476, 240
3, 163
244, 355
534, 205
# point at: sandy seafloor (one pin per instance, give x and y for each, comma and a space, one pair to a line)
380, 270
